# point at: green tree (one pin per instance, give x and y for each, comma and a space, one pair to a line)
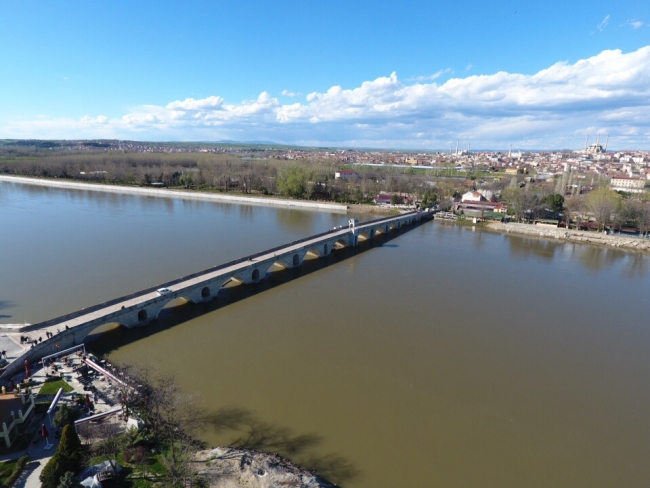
429, 198
292, 181
65, 415
396, 199
70, 445
68, 480
554, 201
186, 180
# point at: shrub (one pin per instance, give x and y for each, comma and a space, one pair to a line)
70, 447
18, 468
135, 455
65, 415
52, 472
68, 480
67, 458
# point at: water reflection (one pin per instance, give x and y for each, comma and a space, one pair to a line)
596, 258
524, 248
289, 219
249, 432
5, 304
591, 258
246, 213
637, 266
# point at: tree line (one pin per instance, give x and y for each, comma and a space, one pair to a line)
578, 207
312, 179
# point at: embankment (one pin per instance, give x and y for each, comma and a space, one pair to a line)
166, 193
574, 236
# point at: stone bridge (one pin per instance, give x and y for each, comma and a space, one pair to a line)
137, 309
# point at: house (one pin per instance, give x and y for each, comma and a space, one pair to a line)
473, 196
481, 208
383, 199
346, 174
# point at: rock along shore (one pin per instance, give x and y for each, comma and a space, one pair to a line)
230, 467
166, 193
574, 236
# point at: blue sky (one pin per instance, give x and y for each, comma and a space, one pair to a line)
416, 74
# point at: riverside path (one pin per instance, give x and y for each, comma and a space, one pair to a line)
137, 309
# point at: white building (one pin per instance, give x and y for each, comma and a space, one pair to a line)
630, 185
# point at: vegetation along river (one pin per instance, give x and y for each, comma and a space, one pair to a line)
442, 357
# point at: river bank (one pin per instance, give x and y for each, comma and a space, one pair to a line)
231, 467
167, 193
573, 236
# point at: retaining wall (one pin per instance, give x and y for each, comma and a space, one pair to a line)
575, 236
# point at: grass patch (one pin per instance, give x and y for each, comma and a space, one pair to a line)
10, 470
150, 472
468, 222
52, 387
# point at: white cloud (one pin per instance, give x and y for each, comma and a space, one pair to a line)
552, 108
603, 24
290, 94
635, 24
469, 67
210, 103
433, 76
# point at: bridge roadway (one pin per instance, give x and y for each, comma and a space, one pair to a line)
139, 308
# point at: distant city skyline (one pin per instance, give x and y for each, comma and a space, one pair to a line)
343, 74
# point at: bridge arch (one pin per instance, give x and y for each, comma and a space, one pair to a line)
205, 292
367, 235
295, 261
142, 315
95, 331
318, 252
255, 275
342, 242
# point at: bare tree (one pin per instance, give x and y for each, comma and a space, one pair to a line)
110, 442
574, 206
602, 203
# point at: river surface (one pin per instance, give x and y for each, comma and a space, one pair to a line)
442, 357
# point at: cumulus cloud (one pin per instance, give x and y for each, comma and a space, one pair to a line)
553, 108
290, 94
210, 103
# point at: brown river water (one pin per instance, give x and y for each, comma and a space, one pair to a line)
441, 357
